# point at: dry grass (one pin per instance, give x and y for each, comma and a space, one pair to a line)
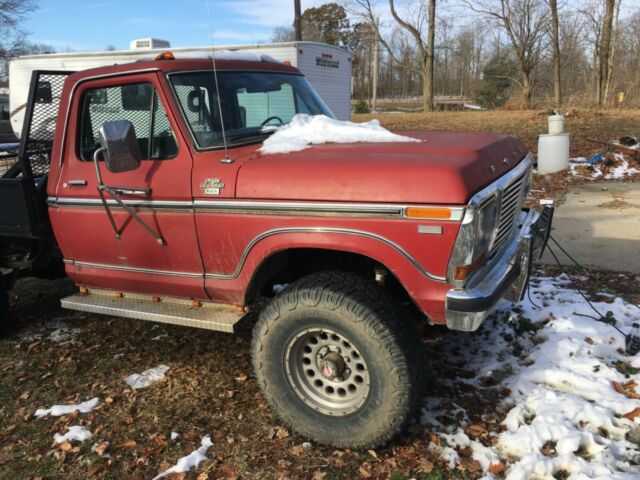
583, 125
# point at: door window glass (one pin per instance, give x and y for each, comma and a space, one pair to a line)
137, 103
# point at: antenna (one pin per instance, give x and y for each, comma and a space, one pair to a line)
226, 158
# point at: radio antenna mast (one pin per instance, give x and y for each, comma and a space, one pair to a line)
226, 158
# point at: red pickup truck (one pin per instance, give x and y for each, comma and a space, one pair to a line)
128, 179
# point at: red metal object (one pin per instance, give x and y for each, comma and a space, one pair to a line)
213, 255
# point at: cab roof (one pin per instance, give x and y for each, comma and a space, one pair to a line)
185, 64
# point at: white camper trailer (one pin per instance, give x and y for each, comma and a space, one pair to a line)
327, 67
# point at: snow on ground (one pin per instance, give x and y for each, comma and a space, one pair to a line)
75, 433
562, 414
59, 410
192, 460
146, 378
305, 130
621, 168
58, 330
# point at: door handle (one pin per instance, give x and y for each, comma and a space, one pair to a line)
77, 183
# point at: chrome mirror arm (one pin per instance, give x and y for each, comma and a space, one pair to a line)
112, 191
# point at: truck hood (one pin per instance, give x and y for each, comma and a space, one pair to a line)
444, 168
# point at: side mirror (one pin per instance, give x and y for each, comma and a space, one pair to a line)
121, 151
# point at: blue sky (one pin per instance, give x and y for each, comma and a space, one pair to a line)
94, 24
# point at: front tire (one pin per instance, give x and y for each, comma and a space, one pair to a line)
336, 362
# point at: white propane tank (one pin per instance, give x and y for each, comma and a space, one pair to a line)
553, 153
556, 124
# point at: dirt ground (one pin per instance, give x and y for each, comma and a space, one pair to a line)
53, 356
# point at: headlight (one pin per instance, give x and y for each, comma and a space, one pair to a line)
474, 240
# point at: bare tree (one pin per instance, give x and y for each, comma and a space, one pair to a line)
525, 23
555, 43
605, 50
424, 12
12, 37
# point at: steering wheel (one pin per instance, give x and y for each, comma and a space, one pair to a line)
273, 117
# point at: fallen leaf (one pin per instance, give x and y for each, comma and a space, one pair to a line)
241, 378
101, 448
424, 465
373, 454
203, 476
589, 341
127, 444
632, 414
365, 470
470, 465
497, 467
476, 430
65, 446
618, 388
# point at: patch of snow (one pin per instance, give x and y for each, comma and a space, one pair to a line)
174, 435
146, 378
192, 460
305, 130
561, 389
58, 330
621, 170
160, 336
59, 410
75, 433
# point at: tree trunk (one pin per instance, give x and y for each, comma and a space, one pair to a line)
427, 86
605, 49
555, 40
428, 70
612, 53
374, 79
527, 90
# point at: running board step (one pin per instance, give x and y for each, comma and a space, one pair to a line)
211, 316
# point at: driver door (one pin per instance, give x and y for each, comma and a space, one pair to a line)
94, 255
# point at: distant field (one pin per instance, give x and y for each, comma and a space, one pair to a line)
582, 124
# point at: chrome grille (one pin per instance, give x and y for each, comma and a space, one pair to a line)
510, 206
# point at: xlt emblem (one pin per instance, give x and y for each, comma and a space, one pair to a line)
212, 186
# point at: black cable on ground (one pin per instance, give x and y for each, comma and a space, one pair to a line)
535, 305
600, 318
575, 262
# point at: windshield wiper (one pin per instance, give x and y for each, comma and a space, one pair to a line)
251, 135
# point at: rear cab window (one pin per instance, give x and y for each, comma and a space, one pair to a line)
137, 103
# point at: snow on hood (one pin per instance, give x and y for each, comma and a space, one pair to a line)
305, 130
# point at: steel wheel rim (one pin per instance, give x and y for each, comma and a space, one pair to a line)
327, 372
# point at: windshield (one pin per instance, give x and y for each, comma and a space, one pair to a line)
253, 104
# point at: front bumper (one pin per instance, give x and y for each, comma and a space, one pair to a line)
506, 277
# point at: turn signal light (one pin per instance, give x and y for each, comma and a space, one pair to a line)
428, 212
165, 56
463, 272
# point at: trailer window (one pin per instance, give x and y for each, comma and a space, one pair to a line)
252, 104
137, 103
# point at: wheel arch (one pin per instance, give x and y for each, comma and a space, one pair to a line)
288, 265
